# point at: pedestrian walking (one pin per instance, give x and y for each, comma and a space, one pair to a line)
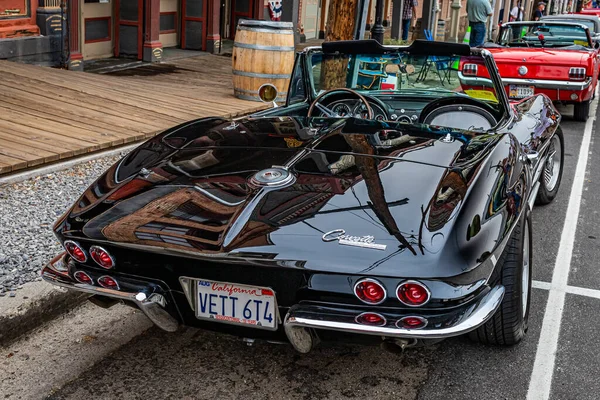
409, 13
539, 12
478, 12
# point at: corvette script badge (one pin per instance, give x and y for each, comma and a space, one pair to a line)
347, 240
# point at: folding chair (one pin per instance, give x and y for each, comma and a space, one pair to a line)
441, 64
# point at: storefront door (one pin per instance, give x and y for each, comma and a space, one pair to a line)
193, 28
129, 28
169, 26
310, 18
240, 9
97, 29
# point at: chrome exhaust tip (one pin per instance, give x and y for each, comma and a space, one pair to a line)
302, 339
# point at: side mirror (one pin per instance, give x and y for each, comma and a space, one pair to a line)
597, 45
268, 93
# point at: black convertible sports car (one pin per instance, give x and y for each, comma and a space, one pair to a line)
382, 201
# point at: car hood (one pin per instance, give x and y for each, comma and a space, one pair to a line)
193, 190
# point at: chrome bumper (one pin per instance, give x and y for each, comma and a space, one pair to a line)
150, 303
538, 83
452, 323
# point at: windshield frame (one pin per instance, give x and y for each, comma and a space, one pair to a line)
508, 25
488, 59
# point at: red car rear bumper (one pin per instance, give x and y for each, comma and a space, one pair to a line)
564, 91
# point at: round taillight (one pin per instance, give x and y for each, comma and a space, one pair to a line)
370, 291
108, 282
75, 251
412, 322
82, 277
101, 257
413, 293
369, 318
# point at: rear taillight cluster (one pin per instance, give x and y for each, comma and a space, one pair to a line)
97, 253
410, 293
577, 73
470, 70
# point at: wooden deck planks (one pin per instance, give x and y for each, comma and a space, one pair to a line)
49, 114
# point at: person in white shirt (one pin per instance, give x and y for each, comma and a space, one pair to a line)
516, 14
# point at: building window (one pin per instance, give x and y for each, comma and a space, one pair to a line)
168, 22
97, 30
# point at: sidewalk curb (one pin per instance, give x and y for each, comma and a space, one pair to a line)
33, 306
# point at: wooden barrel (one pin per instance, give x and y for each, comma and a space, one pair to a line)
263, 52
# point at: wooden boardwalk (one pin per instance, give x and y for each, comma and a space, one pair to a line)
48, 114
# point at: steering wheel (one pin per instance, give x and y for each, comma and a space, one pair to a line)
330, 113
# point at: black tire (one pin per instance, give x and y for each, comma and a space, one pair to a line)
581, 111
508, 325
546, 194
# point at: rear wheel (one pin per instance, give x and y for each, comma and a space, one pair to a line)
552, 169
509, 324
581, 111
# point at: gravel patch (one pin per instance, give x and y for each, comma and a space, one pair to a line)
28, 210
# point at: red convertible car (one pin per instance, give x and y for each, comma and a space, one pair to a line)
557, 59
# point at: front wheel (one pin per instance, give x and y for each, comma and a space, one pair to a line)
581, 111
509, 324
552, 169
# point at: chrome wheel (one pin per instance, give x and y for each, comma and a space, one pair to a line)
526, 271
553, 164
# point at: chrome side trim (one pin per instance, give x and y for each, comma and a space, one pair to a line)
148, 303
538, 83
311, 316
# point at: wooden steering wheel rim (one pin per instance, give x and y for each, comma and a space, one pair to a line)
354, 92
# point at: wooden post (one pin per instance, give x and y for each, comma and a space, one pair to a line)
75, 57
369, 14
341, 18
213, 37
323, 17
152, 50
386, 13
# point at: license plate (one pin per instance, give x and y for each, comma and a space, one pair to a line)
520, 91
231, 303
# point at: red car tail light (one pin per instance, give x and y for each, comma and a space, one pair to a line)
75, 251
413, 293
577, 73
108, 282
370, 291
412, 322
102, 257
369, 318
470, 70
82, 277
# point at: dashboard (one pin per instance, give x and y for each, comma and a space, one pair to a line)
386, 110
454, 111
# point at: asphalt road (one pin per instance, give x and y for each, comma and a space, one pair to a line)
196, 364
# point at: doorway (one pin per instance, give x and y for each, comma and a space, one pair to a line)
129, 28
310, 18
193, 24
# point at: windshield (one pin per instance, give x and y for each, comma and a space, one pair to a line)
397, 73
543, 35
586, 22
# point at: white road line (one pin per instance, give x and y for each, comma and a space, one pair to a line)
585, 292
545, 357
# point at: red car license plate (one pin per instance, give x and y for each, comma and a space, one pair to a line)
231, 303
520, 91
